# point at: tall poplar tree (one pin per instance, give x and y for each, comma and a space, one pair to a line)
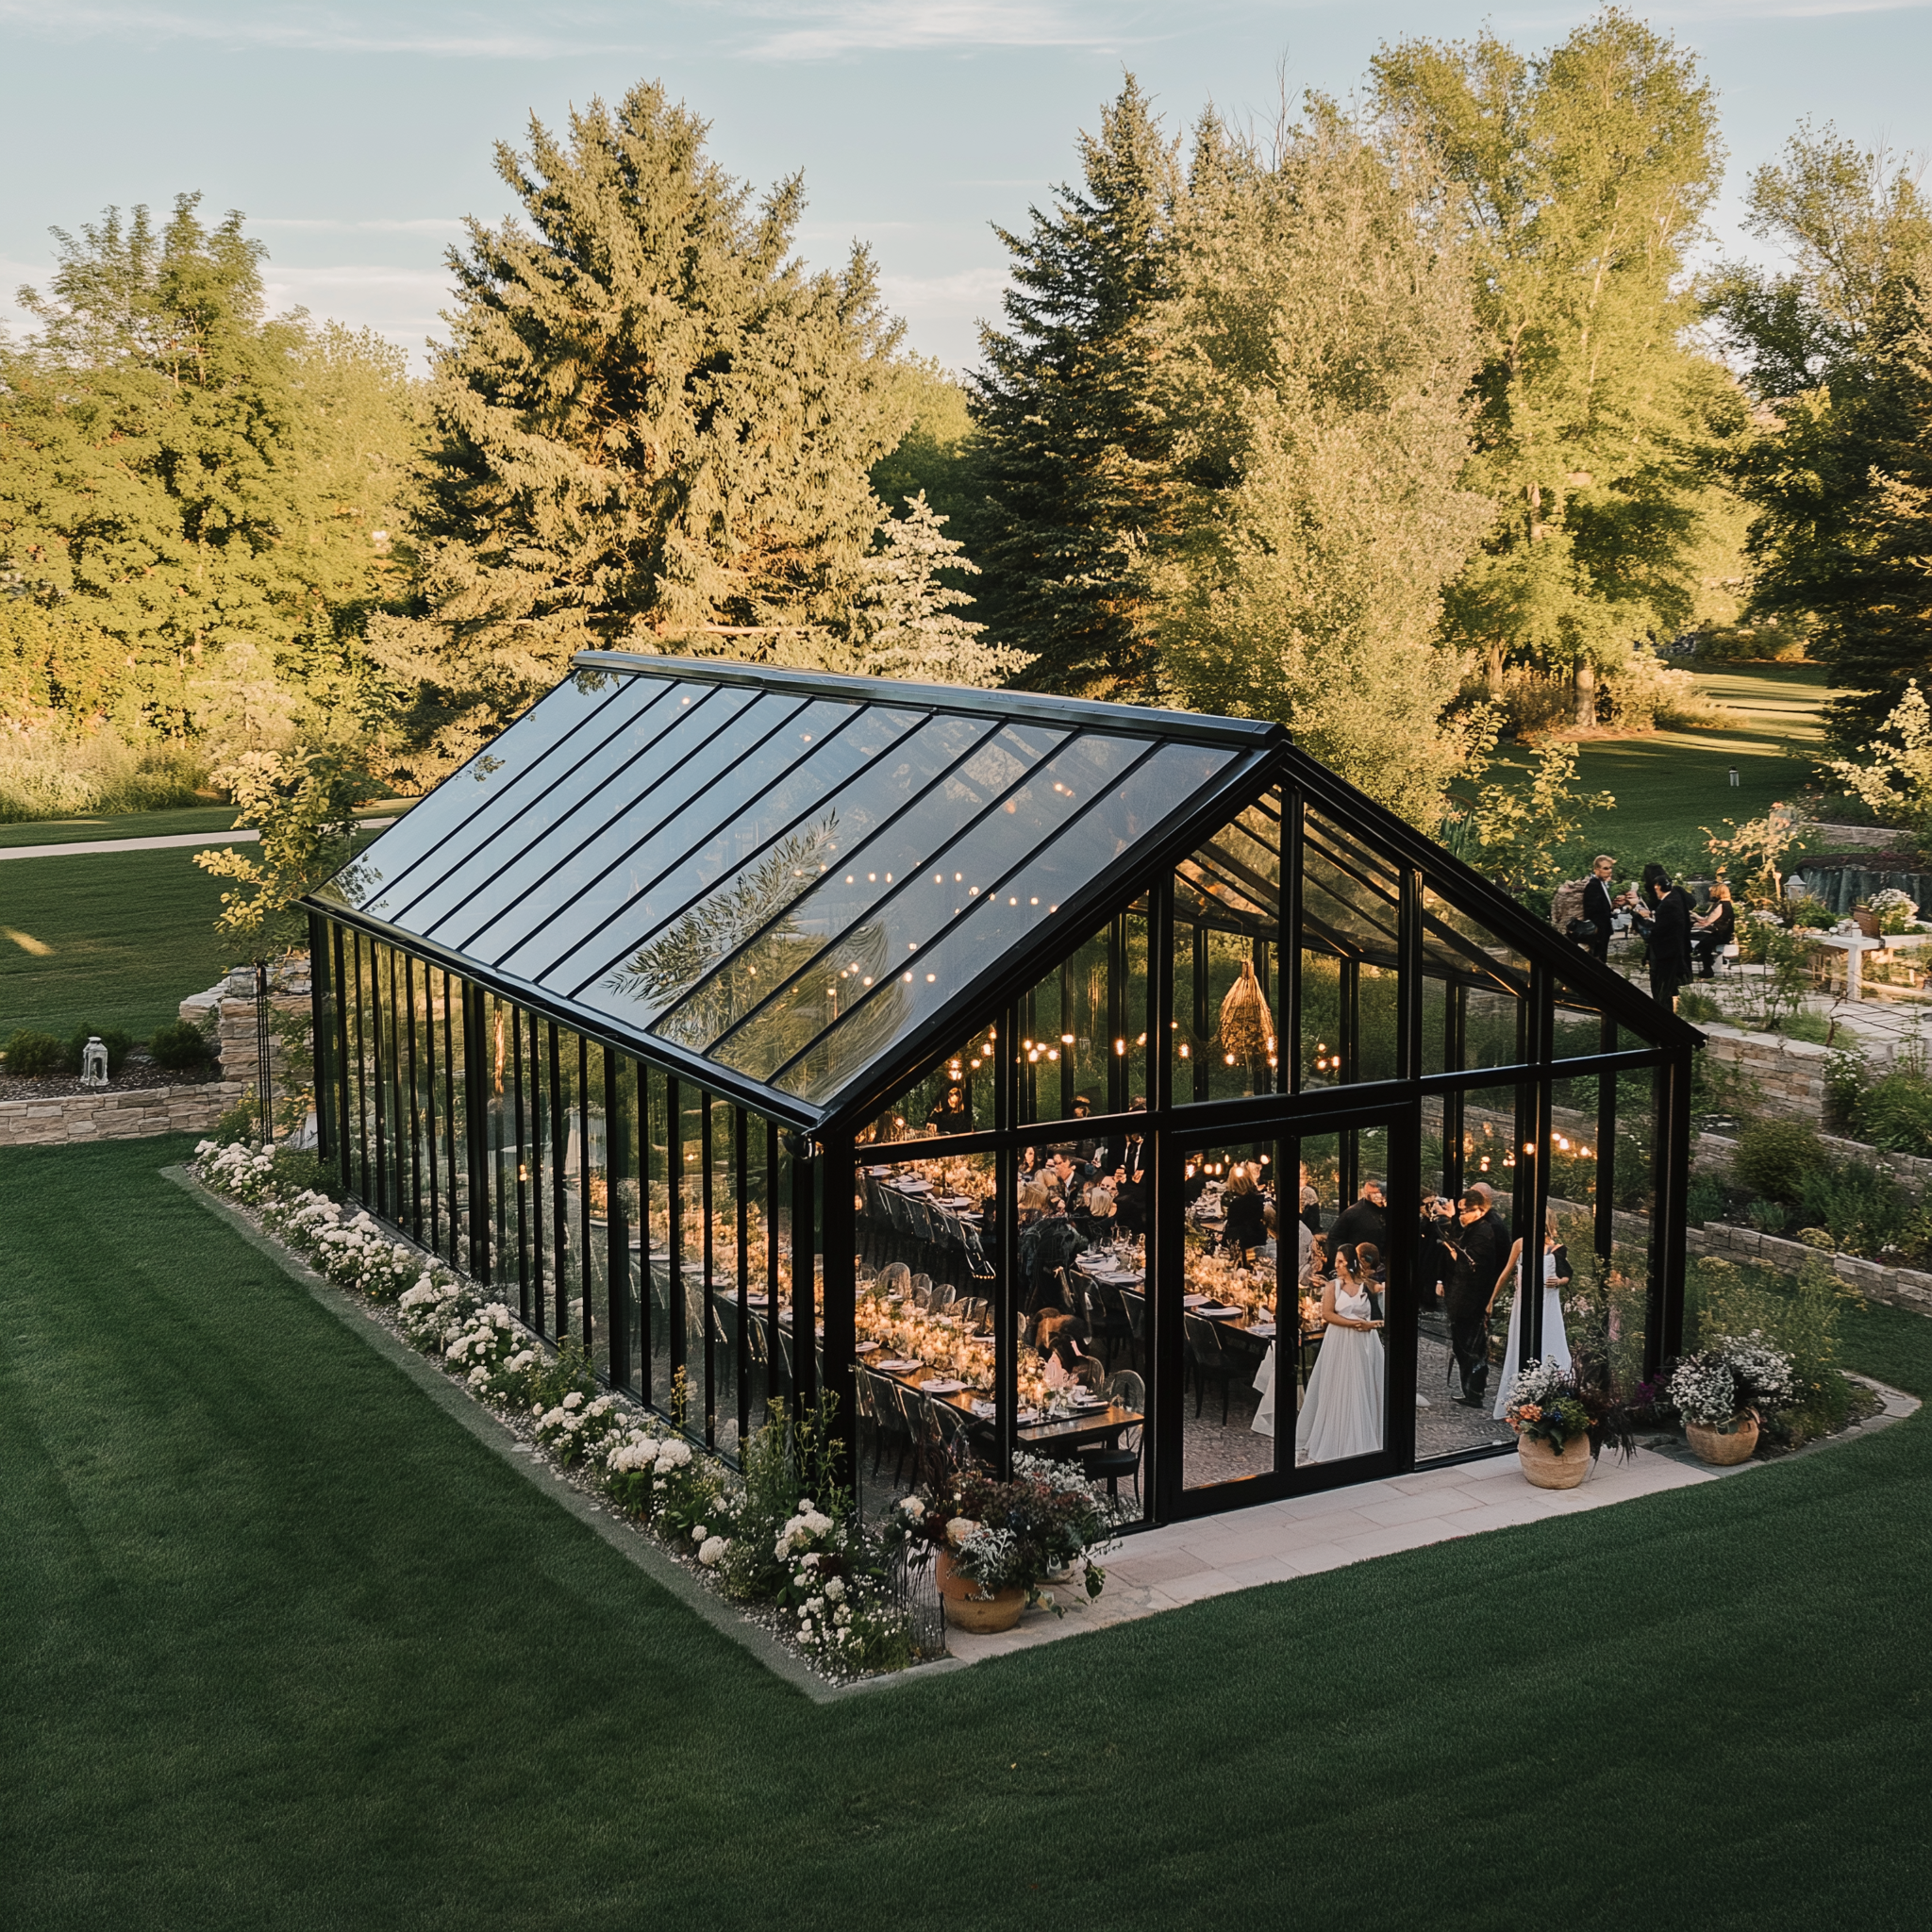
1314, 356
1071, 451
653, 428
1577, 181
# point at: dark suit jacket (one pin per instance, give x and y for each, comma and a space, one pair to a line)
1598, 909
1476, 1254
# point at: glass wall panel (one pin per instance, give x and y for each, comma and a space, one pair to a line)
956, 1097
1082, 1045
1350, 960
662, 1347
1239, 1277
593, 1129
1224, 1026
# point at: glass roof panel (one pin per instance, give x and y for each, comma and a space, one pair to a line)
542, 746
741, 864
1459, 946
1125, 814
654, 826
529, 824
747, 907
756, 987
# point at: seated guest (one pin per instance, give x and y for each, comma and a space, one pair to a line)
1246, 1226
1714, 929
1059, 1337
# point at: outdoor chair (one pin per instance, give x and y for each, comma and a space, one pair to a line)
1125, 1390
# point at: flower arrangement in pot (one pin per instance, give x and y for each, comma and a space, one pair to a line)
997, 1545
1720, 1393
1563, 1417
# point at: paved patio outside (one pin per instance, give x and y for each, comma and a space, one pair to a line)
1275, 1542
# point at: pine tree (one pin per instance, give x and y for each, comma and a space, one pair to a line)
1070, 450
904, 623
653, 427
1578, 181
1317, 346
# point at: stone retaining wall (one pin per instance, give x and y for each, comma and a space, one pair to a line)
1790, 1073
1903, 1287
130, 1113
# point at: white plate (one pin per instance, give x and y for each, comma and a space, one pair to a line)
1195, 1301
864, 1347
898, 1368
940, 1385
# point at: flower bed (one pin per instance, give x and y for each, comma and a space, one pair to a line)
783, 1537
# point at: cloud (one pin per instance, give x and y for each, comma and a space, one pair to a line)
400, 304
433, 225
464, 33
871, 27
970, 291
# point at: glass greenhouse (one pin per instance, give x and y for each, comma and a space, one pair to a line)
1018, 1070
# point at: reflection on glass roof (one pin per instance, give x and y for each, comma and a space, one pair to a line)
783, 875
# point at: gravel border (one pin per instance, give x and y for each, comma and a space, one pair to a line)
498, 1434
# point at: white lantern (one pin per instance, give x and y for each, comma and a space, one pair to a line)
93, 1063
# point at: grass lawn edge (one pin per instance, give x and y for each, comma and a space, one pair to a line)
489, 1431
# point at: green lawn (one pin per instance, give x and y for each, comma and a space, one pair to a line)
110, 938
286, 1647
1667, 785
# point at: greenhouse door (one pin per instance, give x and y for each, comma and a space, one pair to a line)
1290, 1330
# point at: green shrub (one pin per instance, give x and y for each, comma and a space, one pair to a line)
1862, 1211
1802, 1318
1846, 1076
1814, 1028
180, 1046
1895, 1113
1705, 1201
117, 1039
32, 1055
1699, 1007
1774, 1156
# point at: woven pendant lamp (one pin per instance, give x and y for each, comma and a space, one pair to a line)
1247, 1027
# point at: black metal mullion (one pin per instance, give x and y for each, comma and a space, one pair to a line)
560, 1182
674, 1164
741, 1176
1606, 1145
584, 1269
340, 948
1166, 1271
646, 1383
1006, 1358
617, 1234
706, 1259
523, 1160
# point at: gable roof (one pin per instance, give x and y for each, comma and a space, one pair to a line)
776, 880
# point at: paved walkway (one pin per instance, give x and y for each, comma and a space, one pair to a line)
1275, 1542
85, 845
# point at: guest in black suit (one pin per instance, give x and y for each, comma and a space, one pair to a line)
1477, 1250
1600, 904
1668, 909
1365, 1219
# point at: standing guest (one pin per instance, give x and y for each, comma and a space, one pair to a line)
1714, 929
1365, 1219
1600, 904
1246, 1225
1668, 909
1312, 1206
1477, 1248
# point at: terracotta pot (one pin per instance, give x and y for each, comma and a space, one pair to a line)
982, 1615
1544, 1467
1723, 1448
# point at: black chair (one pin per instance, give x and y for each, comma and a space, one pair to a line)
1126, 1391
1106, 1318
1210, 1363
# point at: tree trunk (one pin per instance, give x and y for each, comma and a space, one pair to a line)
1493, 673
1586, 696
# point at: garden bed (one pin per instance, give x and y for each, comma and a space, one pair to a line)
137, 1074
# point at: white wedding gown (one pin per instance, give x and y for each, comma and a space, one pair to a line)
1556, 1342
1341, 1414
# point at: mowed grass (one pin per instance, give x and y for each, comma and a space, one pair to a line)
111, 938
286, 1647
1669, 784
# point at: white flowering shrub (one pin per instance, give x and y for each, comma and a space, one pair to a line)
671, 1487
243, 1173
496, 1357
433, 1312
578, 1430
1702, 1389
357, 1254
852, 1623
1763, 1375
300, 1220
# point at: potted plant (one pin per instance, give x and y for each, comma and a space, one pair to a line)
1720, 1393
996, 1545
1563, 1417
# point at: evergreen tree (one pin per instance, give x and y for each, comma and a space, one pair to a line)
653, 428
1578, 180
904, 623
1071, 450
1317, 344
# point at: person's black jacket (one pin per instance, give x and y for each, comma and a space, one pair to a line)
1361, 1221
1670, 935
1476, 1254
1597, 907
1248, 1221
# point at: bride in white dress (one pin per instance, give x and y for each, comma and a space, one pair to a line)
1556, 1342
1342, 1414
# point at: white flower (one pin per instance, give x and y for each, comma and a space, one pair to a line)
713, 1551
835, 1588
575, 1399
913, 1507
698, 1532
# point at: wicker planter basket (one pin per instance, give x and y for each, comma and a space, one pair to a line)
1723, 1448
980, 1615
1548, 1469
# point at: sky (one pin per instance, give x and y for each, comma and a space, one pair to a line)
355, 136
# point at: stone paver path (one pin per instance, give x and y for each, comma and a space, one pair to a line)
82, 846
1276, 1542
